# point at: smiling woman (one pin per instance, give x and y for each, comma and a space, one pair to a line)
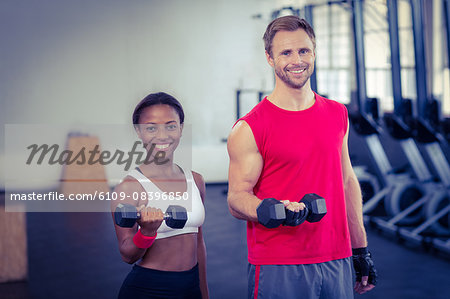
170, 261
159, 125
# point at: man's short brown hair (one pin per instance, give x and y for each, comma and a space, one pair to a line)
286, 23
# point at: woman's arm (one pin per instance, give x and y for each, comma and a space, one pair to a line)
201, 248
201, 256
150, 220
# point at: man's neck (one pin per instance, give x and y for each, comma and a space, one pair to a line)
293, 99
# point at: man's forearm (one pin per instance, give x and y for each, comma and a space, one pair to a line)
242, 205
355, 220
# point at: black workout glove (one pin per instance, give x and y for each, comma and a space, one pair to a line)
295, 218
363, 264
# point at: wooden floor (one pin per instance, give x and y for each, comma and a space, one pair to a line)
75, 255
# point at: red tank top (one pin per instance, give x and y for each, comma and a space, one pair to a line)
302, 154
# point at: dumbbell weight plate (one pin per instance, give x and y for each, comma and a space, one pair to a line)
271, 213
316, 206
176, 216
125, 215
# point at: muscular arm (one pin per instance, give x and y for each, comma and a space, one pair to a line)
245, 168
353, 199
201, 248
128, 250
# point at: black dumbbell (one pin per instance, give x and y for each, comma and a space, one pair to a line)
316, 207
272, 213
126, 215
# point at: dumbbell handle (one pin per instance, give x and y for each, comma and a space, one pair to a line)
307, 211
165, 217
126, 215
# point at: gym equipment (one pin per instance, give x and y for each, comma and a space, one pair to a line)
429, 115
446, 129
436, 193
437, 215
441, 198
405, 203
442, 245
428, 109
404, 126
316, 207
437, 208
404, 198
366, 126
364, 122
272, 213
126, 215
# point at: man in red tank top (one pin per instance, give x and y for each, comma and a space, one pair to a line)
294, 142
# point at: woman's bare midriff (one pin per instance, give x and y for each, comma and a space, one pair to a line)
178, 253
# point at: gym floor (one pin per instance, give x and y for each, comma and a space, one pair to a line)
75, 255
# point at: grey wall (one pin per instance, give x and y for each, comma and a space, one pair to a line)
66, 62
71, 63
90, 62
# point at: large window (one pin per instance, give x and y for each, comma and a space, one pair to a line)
332, 25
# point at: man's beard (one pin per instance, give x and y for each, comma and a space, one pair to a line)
282, 74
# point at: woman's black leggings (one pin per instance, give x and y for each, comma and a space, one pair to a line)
143, 283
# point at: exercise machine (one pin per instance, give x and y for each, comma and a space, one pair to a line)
365, 123
405, 127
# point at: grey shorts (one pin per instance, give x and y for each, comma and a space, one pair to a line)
331, 279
